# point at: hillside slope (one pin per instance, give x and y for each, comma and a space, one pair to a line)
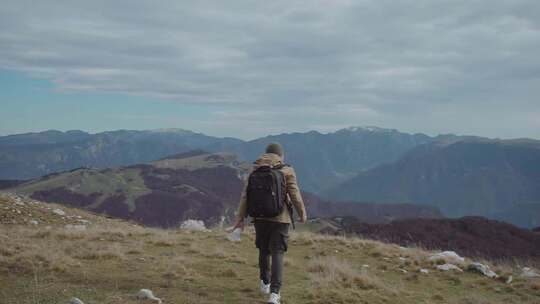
471, 236
496, 179
164, 193
108, 261
367, 212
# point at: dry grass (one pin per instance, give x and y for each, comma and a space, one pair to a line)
331, 272
108, 262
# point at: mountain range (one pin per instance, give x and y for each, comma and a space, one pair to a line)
31, 155
491, 178
458, 175
321, 160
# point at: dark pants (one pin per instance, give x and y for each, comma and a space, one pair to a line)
271, 239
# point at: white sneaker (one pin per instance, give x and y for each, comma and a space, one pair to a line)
274, 298
265, 288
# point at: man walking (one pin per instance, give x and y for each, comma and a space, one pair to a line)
269, 197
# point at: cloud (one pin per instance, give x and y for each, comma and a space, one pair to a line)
342, 62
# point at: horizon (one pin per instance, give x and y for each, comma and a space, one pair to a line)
366, 127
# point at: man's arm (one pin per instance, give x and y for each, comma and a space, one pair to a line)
242, 209
294, 193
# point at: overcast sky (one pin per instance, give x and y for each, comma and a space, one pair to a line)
252, 68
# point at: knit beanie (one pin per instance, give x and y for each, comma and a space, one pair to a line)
275, 148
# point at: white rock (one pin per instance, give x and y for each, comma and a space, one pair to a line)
527, 272
33, 222
483, 269
146, 294
193, 225
75, 301
365, 266
509, 280
423, 270
447, 267
59, 212
75, 227
448, 257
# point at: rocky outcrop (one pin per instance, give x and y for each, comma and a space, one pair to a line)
483, 269
448, 257
449, 267
527, 272
193, 225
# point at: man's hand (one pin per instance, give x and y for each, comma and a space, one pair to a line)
239, 224
303, 219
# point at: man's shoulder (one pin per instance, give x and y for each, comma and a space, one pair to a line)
287, 169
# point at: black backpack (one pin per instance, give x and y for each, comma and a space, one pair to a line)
266, 192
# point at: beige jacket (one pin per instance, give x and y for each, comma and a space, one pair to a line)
293, 192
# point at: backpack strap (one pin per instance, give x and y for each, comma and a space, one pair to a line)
280, 166
291, 210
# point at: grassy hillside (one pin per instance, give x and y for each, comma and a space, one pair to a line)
104, 183
163, 193
108, 261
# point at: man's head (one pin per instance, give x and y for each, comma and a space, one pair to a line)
275, 148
